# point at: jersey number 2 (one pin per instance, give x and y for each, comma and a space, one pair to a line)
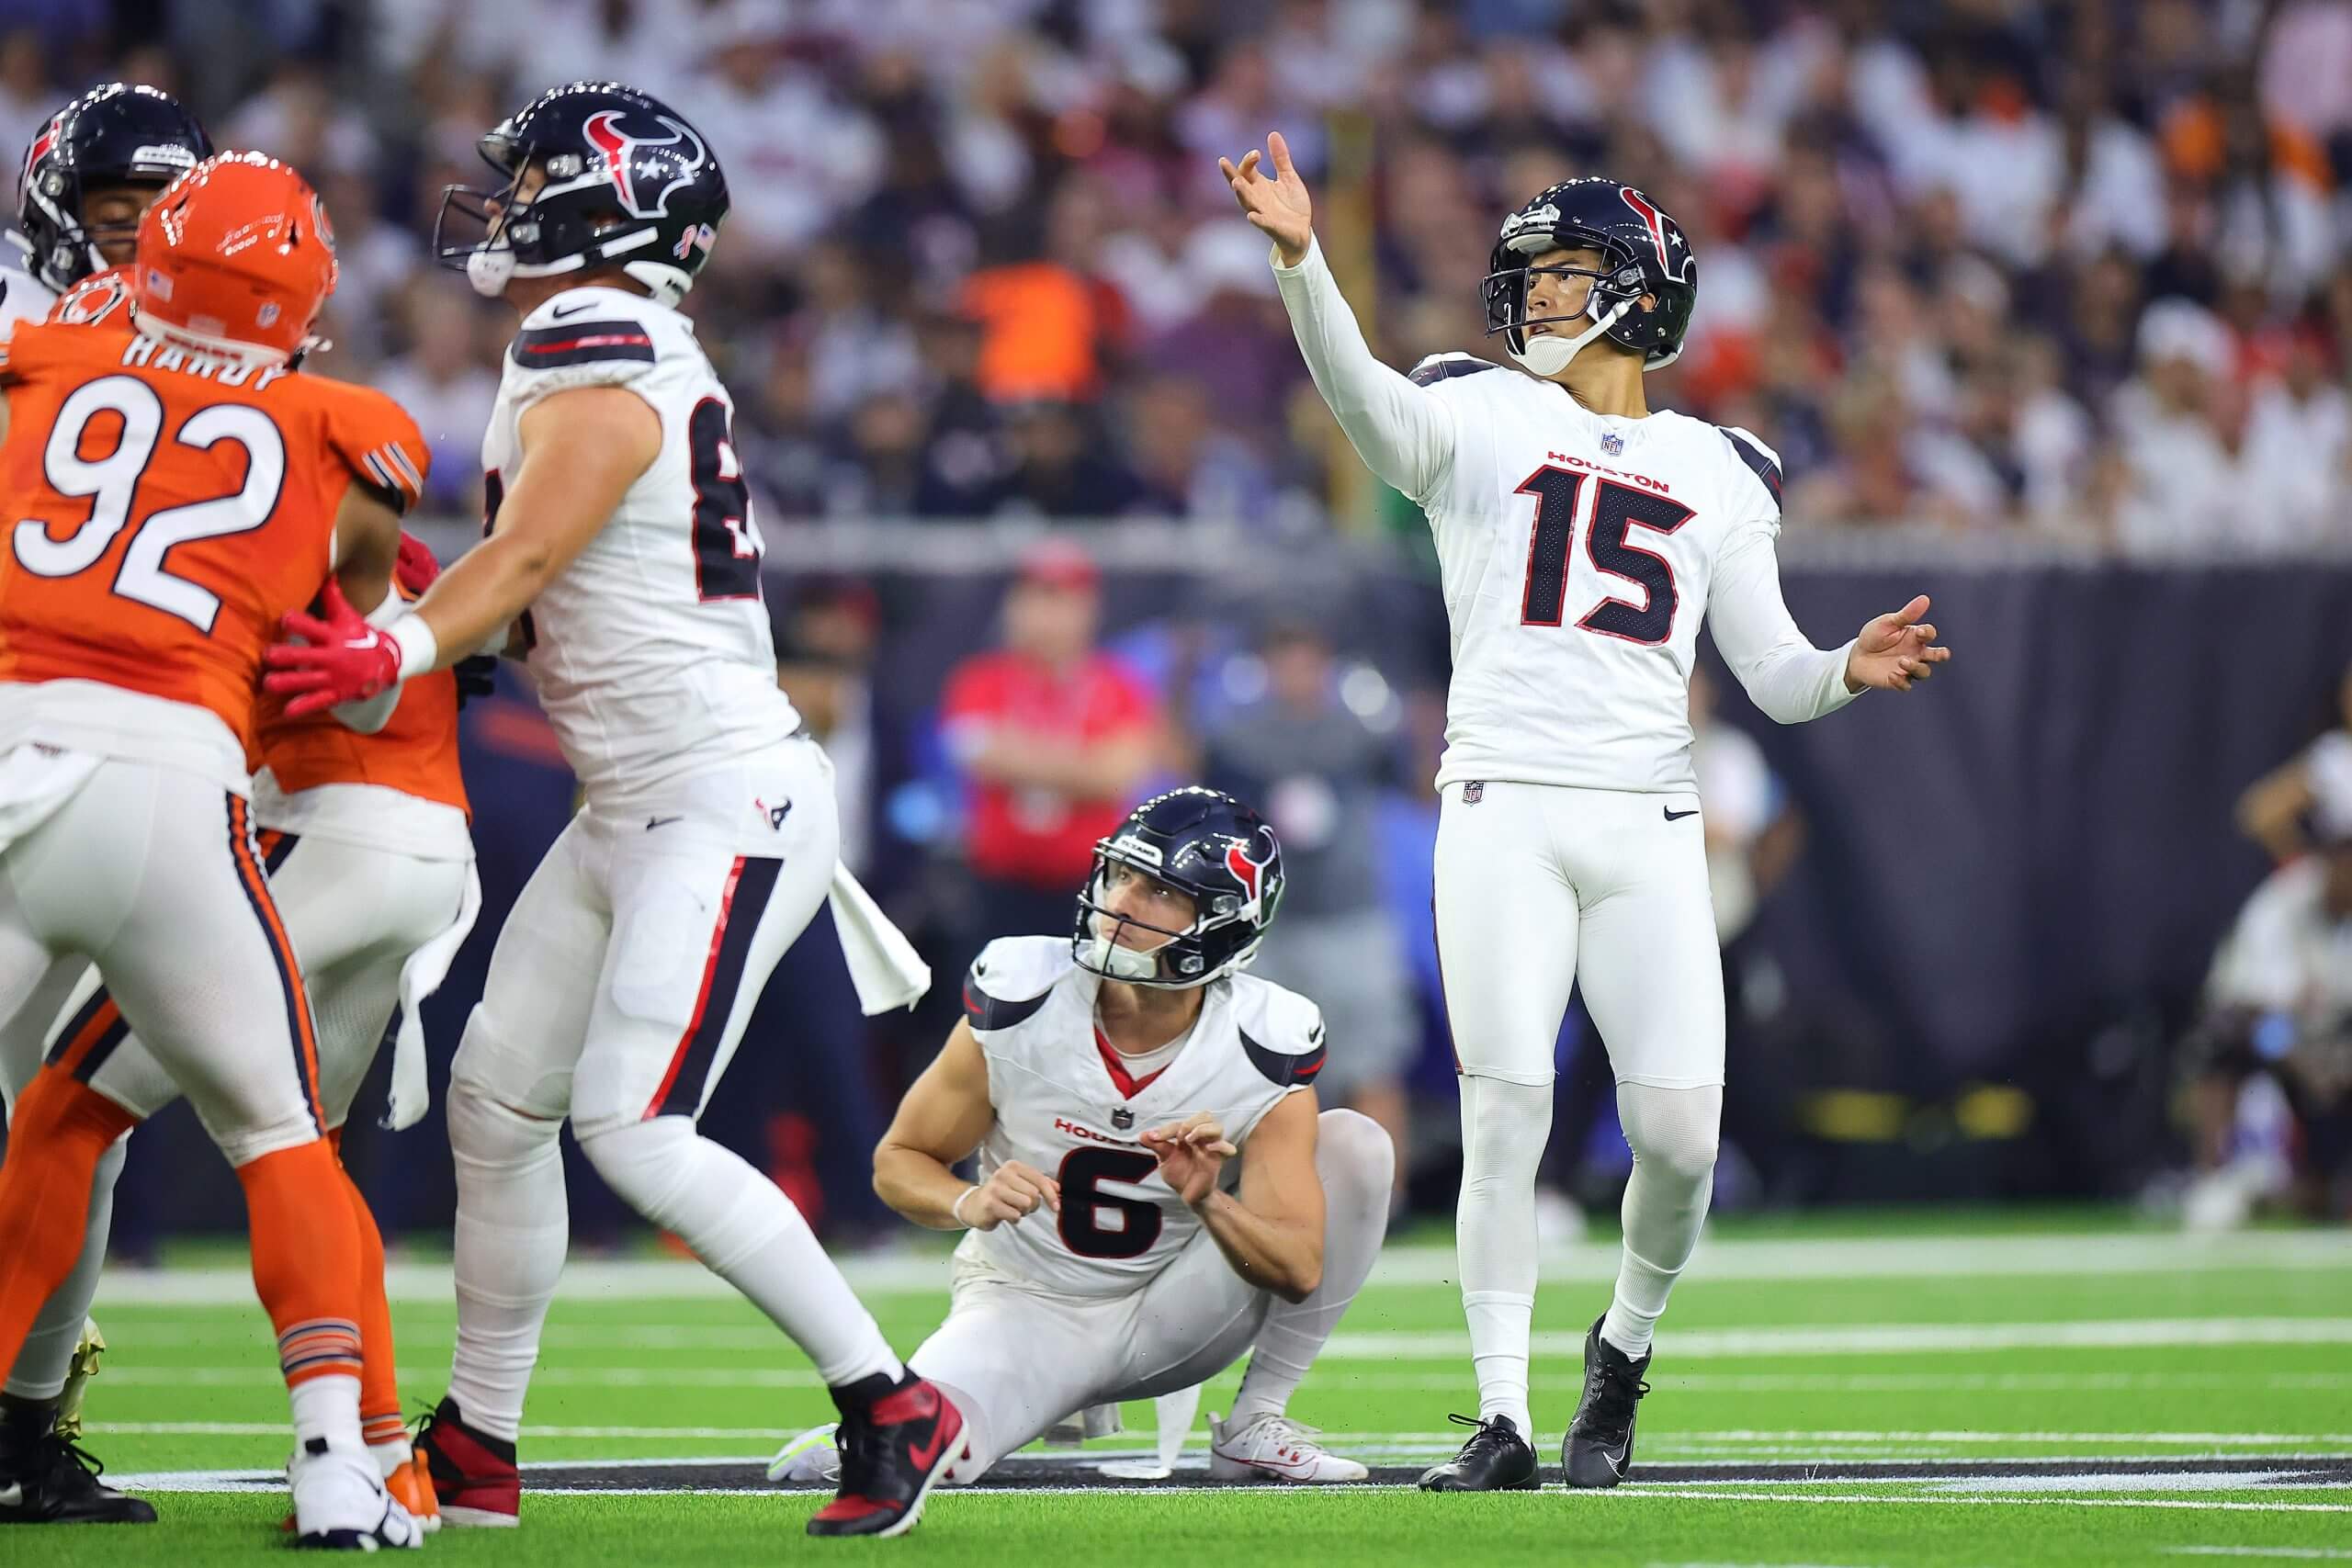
727, 546
110, 484
1085, 1205
1615, 510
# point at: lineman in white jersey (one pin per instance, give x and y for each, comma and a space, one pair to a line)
1157, 1194
88, 176
623, 547
1582, 539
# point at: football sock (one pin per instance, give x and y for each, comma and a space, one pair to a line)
48, 1357
1672, 1133
748, 1234
1504, 1129
59, 1134
513, 1226
379, 1390
1357, 1166
306, 1270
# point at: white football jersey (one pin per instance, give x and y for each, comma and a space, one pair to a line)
1066, 1107
1578, 553
23, 298
650, 650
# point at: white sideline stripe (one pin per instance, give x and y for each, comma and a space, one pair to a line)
249, 1481
1847, 1339
1737, 1259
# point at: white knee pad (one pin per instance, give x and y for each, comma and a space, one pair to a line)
485, 1134
1673, 1131
1352, 1149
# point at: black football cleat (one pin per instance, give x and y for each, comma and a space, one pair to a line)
897, 1440
1495, 1458
475, 1480
1598, 1449
56, 1481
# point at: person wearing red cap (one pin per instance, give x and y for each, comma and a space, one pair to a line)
1054, 737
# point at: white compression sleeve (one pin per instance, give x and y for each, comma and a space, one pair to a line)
1403, 434
1788, 678
1504, 1129
1672, 1133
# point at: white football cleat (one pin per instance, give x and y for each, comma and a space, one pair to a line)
1275, 1447
812, 1457
340, 1503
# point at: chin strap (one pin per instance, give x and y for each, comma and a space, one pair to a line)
1547, 356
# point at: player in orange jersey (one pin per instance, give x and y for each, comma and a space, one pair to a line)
181, 489
365, 841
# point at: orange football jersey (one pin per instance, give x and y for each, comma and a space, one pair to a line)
174, 507
415, 754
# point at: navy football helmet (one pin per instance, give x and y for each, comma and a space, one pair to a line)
1207, 845
627, 180
1644, 253
118, 134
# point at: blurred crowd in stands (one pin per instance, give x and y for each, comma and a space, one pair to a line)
1989, 265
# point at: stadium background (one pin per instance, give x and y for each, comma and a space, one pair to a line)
2046, 308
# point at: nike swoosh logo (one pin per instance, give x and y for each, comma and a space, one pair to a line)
12, 1495
1673, 816
928, 1455
653, 822
572, 311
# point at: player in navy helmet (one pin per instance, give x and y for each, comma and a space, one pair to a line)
1159, 1193
624, 554
88, 176
596, 173
1581, 536
1199, 851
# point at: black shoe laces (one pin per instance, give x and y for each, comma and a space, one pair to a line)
863, 1447
1487, 1437
1611, 1395
65, 1459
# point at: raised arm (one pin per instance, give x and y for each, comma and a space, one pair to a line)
1404, 434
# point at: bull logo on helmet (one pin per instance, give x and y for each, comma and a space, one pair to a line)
644, 183
1251, 874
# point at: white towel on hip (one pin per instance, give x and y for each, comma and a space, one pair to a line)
420, 977
882, 964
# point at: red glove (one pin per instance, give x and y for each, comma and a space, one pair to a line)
416, 569
340, 658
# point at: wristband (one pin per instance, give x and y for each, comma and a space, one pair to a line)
420, 649
955, 1210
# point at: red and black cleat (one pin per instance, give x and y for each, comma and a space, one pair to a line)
473, 1473
896, 1441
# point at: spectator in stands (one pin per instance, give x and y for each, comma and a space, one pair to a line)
1053, 738
2278, 1011
442, 383
1314, 757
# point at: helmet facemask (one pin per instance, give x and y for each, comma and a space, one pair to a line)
542, 235
1615, 289
1177, 960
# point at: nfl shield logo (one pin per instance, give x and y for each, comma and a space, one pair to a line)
1473, 792
1122, 1119
1613, 444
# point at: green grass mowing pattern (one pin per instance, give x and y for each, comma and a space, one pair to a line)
1365, 1531
715, 1364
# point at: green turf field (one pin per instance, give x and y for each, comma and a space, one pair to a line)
2026, 1381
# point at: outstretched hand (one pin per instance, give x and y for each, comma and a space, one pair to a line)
1279, 206
330, 658
1895, 650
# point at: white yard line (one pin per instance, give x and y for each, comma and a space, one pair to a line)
2298, 1553
1885, 1338
1738, 1259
